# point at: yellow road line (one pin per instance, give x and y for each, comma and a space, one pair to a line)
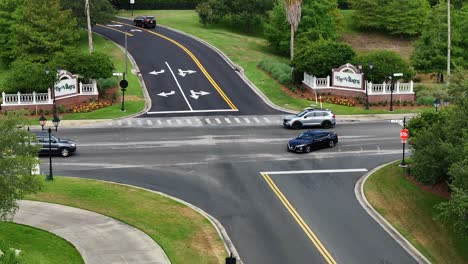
128, 34
200, 66
328, 257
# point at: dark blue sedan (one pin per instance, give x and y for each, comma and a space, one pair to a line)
313, 139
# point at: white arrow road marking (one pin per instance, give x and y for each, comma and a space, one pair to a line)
178, 85
195, 95
156, 72
183, 73
164, 94
135, 30
112, 25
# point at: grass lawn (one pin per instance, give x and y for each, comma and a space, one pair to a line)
37, 246
245, 50
411, 211
185, 235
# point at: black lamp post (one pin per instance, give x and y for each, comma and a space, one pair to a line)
123, 85
436, 104
55, 122
371, 66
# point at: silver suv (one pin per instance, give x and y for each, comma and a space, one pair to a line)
311, 117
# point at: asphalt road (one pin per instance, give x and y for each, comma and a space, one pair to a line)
183, 76
226, 172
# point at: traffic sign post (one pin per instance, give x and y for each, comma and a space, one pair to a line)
123, 85
404, 135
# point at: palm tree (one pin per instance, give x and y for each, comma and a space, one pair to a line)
90, 32
293, 13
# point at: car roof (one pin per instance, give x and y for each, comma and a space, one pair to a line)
315, 132
316, 109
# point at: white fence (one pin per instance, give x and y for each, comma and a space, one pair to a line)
45, 98
373, 89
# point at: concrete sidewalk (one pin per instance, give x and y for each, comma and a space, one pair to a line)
98, 238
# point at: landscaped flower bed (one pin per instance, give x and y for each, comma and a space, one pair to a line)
90, 107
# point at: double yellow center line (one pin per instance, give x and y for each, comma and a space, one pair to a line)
195, 59
328, 257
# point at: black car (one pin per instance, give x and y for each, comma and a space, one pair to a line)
63, 147
145, 21
313, 139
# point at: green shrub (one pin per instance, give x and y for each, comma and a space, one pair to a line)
61, 109
425, 100
279, 71
104, 84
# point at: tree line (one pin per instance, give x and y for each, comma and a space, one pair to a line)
40, 33
425, 21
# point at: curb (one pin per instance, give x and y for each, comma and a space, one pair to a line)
399, 238
231, 249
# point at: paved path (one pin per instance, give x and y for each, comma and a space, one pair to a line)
98, 238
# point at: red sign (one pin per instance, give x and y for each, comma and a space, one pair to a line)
404, 134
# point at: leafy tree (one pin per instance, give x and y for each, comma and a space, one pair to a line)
244, 15
385, 64
455, 211
41, 28
7, 9
394, 16
430, 50
319, 21
96, 65
406, 17
17, 159
101, 11
26, 76
318, 58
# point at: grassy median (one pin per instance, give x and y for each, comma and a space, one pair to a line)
37, 246
411, 211
185, 235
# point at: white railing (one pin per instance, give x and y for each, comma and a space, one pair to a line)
88, 88
316, 83
44, 98
385, 88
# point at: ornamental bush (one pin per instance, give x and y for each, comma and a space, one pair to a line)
318, 58
280, 71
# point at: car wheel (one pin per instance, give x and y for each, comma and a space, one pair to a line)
307, 149
326, 124
331, 143
64, 152
297, 125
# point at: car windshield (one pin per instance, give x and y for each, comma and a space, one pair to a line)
305, 136
150, 17
302, 113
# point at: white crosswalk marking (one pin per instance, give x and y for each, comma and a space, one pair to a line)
247, 120
207, 121
267, 120
217, 120
139, 122
149, 122
227, 120
119, 122
256, 120
188, 121
129, 122
169, 121
159, 122
110, 124
199, 121
178, 122
237, 120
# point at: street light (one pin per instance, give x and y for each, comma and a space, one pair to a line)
436, 104
371, 66
391, 93
55, 122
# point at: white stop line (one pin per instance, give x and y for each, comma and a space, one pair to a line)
314, 171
